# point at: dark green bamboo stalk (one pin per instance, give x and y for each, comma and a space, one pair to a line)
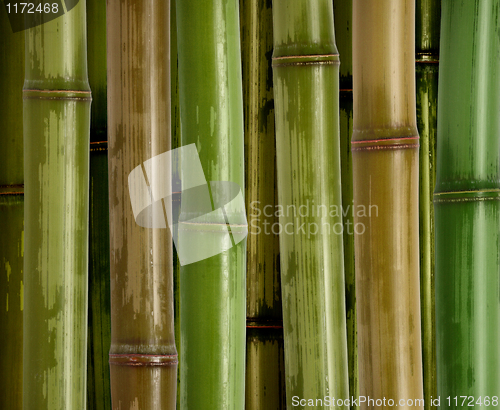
213, 289
385, 177
11, 297
11, 216
265, 373
99, 320
342, 10
466, 203
143, 356
306, 84
428, 19
56, 168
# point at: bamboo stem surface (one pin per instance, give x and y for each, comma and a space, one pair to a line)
385, 170
212, 290
11, 216
265, 377
306, 81
56, 169
428, 19
466, 203
143, 355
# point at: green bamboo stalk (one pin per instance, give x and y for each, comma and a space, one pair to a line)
11, 297
385, 172
99, 315
56, 168
265, 373
466, 203
143, 356
11, 216
306, 84
428, 19
342, 10
212, 290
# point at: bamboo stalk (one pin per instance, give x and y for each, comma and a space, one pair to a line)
385, 172
176, 143
99, 319
466, 203
143, 356
305, 66
343, 22
99, 315
265, 373
212, 290
56, 168
11, 216
428, 19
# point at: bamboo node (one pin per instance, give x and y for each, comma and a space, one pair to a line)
143, 359
386, 144
314, 59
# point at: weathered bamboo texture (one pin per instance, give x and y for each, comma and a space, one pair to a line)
99, 320
306, 84
428, 19
342, 12
56, 169
143, 356
11, 216
466, 204
265, 372
212, 290
385, 171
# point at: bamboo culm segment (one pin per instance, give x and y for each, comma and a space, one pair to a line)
11, 216
11, 85
11, 300
56, 168
99, 319
466, 201
265, 377
99, 315
343, 22
143, 356
306, 84
212, 290
427, 87
427, 22
385, 173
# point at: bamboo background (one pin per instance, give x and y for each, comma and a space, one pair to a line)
382, 313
